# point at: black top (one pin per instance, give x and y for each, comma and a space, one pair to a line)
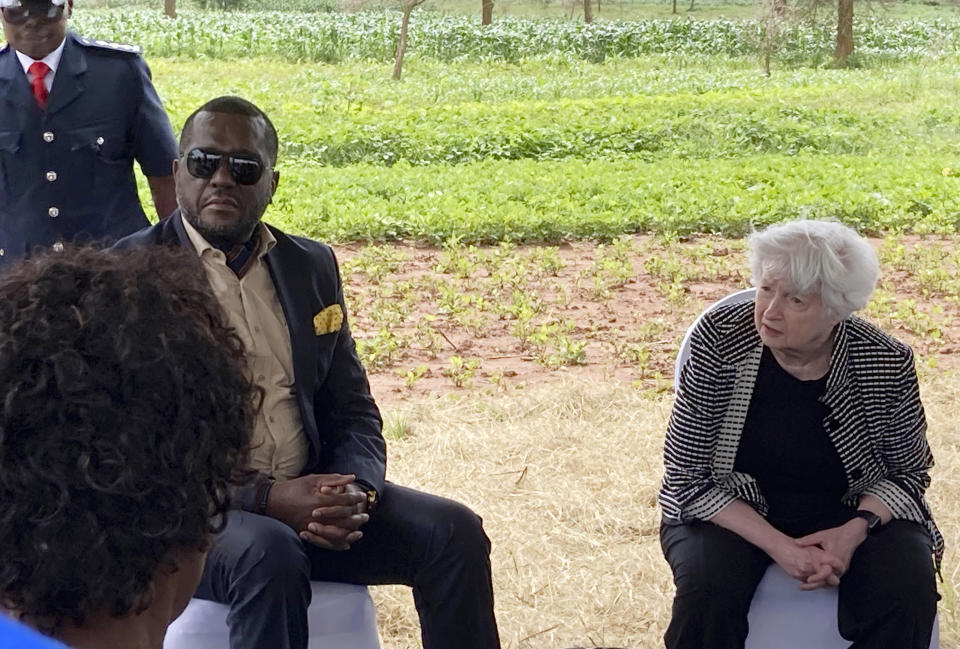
786, 448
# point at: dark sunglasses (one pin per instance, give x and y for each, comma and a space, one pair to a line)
246, 170
43, 11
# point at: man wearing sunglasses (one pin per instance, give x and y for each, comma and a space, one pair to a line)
320, 507
74, 114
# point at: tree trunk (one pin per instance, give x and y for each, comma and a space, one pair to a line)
775, 12
170, 8
587, 11
844, 29
487, 12
768, 40
402, 45
674, 6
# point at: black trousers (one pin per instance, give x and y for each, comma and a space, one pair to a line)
262, 570
887, 598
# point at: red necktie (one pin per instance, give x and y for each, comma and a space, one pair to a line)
39, 70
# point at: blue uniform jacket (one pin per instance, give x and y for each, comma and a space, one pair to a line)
340, 417
66, 174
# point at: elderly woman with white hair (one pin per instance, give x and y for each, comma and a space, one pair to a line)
798, 437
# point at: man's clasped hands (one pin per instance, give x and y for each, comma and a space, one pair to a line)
327, 509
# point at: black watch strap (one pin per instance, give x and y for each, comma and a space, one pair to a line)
873, 521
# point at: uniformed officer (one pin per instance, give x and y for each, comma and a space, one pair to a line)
74, 114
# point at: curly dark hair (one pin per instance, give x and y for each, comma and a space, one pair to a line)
125, 418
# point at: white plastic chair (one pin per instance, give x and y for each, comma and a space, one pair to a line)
340, 616
781, 615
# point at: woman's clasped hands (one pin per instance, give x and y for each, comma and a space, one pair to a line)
821, 559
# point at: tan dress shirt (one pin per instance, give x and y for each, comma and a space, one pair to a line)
253, 309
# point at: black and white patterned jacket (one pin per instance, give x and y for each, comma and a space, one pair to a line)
874, 419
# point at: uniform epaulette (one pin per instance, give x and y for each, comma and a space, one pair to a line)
107, 45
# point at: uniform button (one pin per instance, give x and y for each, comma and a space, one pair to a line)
53, 212
100, 141
1, 252
261, 378
48, 136
51, 175
58, 247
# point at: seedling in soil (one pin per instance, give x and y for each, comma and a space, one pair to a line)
412, 376
462, 371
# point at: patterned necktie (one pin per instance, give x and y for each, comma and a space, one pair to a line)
240, 256
39, 70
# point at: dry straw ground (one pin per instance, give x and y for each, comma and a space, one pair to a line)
562, 460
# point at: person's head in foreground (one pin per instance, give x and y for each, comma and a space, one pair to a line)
124, 422
798, 439
225, 174
809, 276
35, 27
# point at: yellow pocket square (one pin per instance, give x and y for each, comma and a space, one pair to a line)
328, 320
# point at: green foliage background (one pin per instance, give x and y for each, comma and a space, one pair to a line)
548, 130
334, 37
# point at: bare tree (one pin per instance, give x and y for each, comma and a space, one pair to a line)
587, 11
408, 7
775, 12
487, 17
170, 8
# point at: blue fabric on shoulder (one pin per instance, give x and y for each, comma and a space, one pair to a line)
14, 635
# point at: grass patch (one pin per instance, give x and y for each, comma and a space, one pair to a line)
565, 477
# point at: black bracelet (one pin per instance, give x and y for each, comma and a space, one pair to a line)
263, 493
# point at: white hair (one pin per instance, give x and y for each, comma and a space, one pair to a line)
822, 257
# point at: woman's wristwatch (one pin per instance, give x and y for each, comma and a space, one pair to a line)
873, 521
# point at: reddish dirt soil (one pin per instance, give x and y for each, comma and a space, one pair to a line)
631, 330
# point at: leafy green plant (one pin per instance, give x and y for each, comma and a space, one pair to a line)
413, 375
462, 371
381, 350
611, 268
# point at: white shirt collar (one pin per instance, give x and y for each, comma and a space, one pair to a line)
52, 60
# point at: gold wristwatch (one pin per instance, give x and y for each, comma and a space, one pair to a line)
373, 498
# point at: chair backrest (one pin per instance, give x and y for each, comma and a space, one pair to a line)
684, 353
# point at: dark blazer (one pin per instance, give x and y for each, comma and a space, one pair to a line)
875, 420
340, 417
66, 173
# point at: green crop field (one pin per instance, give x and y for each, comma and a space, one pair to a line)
543, 130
